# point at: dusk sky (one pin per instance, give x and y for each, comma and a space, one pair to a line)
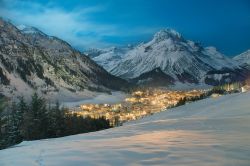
224, 24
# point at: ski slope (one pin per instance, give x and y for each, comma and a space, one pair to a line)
214, 131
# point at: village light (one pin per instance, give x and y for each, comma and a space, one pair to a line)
140, 104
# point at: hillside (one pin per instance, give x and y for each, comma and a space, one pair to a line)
213, 131
33, 61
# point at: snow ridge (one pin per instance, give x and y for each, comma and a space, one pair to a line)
243, 58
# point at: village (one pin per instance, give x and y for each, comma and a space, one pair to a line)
137, 105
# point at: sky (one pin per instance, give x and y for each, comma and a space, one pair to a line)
85, 24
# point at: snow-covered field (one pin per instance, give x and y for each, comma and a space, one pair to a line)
210, 132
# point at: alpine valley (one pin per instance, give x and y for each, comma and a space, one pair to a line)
107, 83
32, 61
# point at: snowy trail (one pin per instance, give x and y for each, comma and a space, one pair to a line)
204, 133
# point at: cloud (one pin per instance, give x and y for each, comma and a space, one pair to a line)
74, 26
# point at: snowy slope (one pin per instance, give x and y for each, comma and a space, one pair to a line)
108, 57
213, 131
243, 58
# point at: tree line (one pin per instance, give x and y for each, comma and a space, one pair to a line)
39, 120
220, 89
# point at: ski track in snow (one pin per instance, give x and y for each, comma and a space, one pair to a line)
40, 158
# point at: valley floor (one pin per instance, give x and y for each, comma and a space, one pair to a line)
214, 131
115, 97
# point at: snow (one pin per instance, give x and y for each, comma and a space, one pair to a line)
218, 77
165, 34
29, 30
217, 60
100, 98
213, 131
21, 27
243, 58
108, 57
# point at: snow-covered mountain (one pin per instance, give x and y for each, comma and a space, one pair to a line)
32, 60
179, 59
243, 58
108, 57
203, 133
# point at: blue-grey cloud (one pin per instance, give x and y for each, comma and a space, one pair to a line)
74, 26
96, 23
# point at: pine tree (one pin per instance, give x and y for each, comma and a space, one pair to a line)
56, 121
40, 115
35, 121
59, 120
2, 124
28, 124
22, 110
13, 124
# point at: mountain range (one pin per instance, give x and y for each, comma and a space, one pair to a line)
33, 61
170, 59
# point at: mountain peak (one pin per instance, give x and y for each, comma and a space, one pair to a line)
29, 30
167, 33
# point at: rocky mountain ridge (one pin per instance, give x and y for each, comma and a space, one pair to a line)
33, 61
